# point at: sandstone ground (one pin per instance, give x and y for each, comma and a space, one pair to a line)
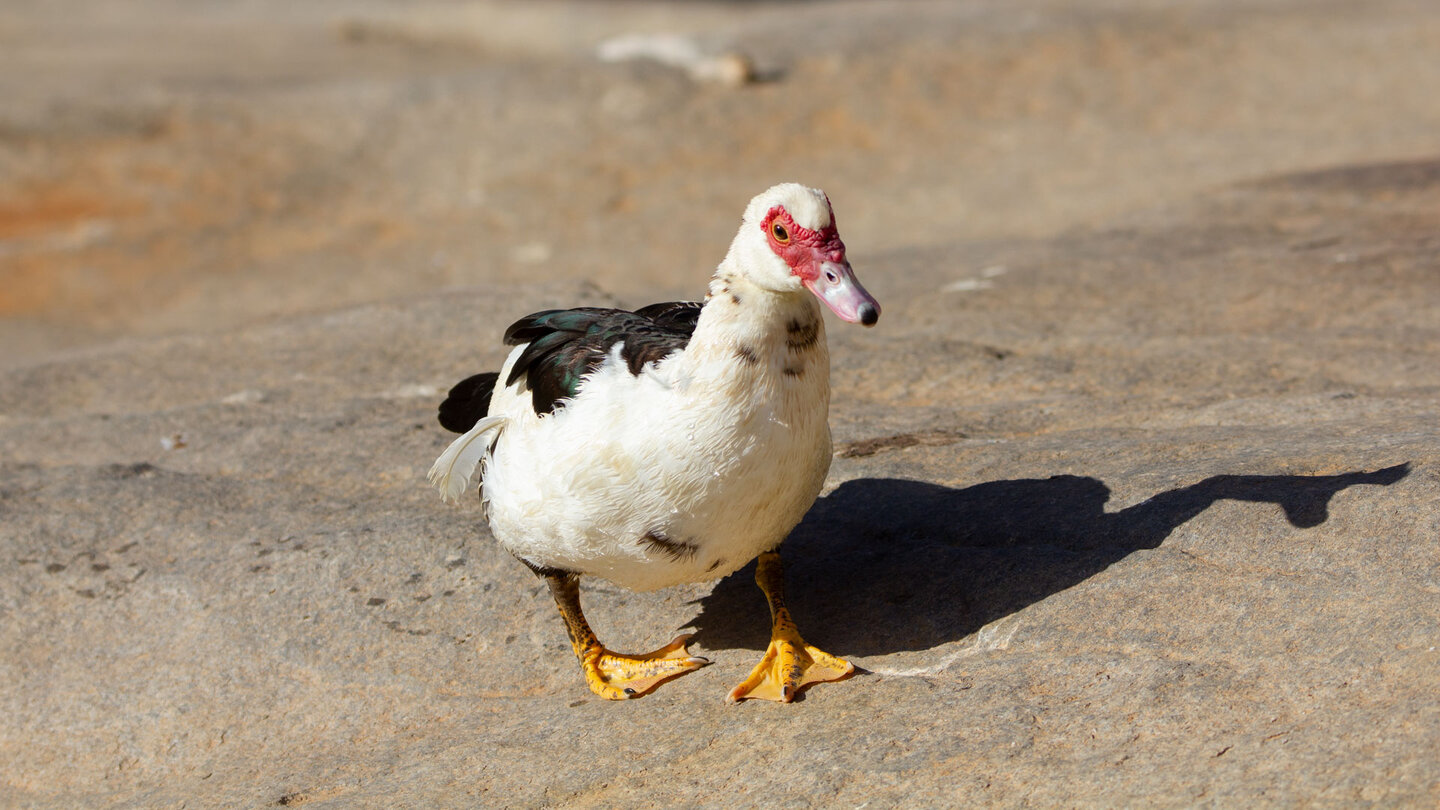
1134, 501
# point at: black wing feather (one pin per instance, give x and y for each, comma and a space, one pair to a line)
566, 345
468, 402
680, 315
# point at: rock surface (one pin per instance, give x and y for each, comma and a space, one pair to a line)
1135, 492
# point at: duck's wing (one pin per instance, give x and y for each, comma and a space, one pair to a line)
679, 315
469, 400
563, 346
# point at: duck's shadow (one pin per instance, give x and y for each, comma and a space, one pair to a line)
884, 565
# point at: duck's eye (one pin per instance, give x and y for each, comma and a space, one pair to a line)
781, 235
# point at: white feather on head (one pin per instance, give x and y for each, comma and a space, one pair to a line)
809, 207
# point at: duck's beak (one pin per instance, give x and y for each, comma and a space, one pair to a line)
836, 285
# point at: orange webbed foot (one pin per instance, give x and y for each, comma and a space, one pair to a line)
789, 666
615, 676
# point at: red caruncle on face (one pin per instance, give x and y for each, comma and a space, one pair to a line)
802, 248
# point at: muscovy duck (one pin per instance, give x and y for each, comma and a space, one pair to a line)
671, 444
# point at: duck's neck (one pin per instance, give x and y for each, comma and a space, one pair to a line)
751, 332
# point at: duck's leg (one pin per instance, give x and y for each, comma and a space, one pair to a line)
611, 675
789, 664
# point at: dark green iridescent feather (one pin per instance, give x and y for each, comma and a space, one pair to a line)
566, 345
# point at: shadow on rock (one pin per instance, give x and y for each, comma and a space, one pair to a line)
886, 565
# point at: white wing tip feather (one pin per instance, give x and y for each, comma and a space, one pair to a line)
454, 472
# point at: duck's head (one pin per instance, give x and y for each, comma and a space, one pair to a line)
788, 240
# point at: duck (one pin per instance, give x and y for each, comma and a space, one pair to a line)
670, 444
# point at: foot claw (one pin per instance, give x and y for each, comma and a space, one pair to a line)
619, 677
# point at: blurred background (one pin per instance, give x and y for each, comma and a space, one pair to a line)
170, 166
1135, 490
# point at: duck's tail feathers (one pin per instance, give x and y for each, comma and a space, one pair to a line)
457, 470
